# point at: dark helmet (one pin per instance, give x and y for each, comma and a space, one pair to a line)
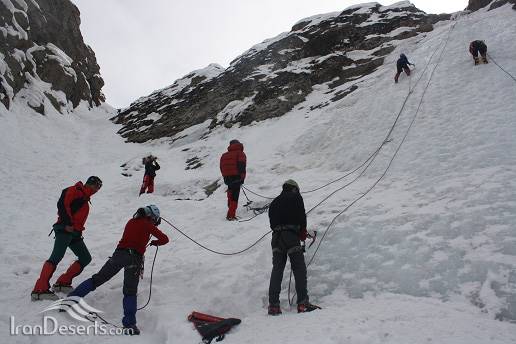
233, 141
290, 185
94, 180
402, 56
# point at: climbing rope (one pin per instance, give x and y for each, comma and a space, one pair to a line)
214, 251
150, 283
329, 227
372, 156
257, 194
506, 72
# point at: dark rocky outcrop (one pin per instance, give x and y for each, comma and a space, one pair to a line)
44, 60
272, 77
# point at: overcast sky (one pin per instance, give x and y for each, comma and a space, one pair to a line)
142, 46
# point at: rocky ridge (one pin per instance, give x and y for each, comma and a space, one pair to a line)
272, 77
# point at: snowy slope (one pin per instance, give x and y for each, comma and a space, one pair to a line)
427, 256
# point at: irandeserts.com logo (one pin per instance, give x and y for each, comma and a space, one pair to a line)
77, 309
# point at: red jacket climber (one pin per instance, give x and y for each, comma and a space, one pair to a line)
151, 166
72, 209
128, 256
233, 169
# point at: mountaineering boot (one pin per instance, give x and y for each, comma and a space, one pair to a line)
42, 290
44, 295
231, 218
306, 307
64, 282
132, 330
477, 61
129, 319
274, 310
83, 289
484, 59
61, 288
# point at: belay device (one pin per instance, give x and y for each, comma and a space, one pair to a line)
210, 326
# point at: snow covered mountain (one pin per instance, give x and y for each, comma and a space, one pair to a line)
272, 77
44, 63
416, 236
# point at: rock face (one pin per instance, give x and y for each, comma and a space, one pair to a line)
44, 62
475, 5
272, 77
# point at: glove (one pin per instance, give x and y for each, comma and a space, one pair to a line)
303, 234
154, 243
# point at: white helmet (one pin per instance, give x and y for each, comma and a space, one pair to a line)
152, 211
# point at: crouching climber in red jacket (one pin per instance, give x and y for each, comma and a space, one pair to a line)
128, 255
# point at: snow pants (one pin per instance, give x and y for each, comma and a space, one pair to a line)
233, 193
63, 240
285, 244
74, 241
478, 48
399, 70
148, 184
131, 261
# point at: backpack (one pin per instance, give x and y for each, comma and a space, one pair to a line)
210, 327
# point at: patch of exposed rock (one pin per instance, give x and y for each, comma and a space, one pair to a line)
44, 62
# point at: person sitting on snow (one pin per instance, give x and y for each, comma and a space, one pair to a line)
128, 255
287, 219
402, 65
476, 47
72, 209
233, 169
151, 166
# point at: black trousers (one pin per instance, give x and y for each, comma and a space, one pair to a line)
478, 48
131, 261
234, 184
286, 244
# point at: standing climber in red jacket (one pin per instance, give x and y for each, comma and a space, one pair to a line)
151, 166
233, 168
72, 209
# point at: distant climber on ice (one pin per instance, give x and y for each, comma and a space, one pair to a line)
477, 47
72, 210
402, 65
233, 169
129, 256
151, 166
287, 219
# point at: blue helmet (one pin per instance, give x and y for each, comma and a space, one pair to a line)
152, 211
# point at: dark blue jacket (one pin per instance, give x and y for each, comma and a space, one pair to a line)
402, 62
151, 167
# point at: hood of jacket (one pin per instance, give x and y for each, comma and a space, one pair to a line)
236, 147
